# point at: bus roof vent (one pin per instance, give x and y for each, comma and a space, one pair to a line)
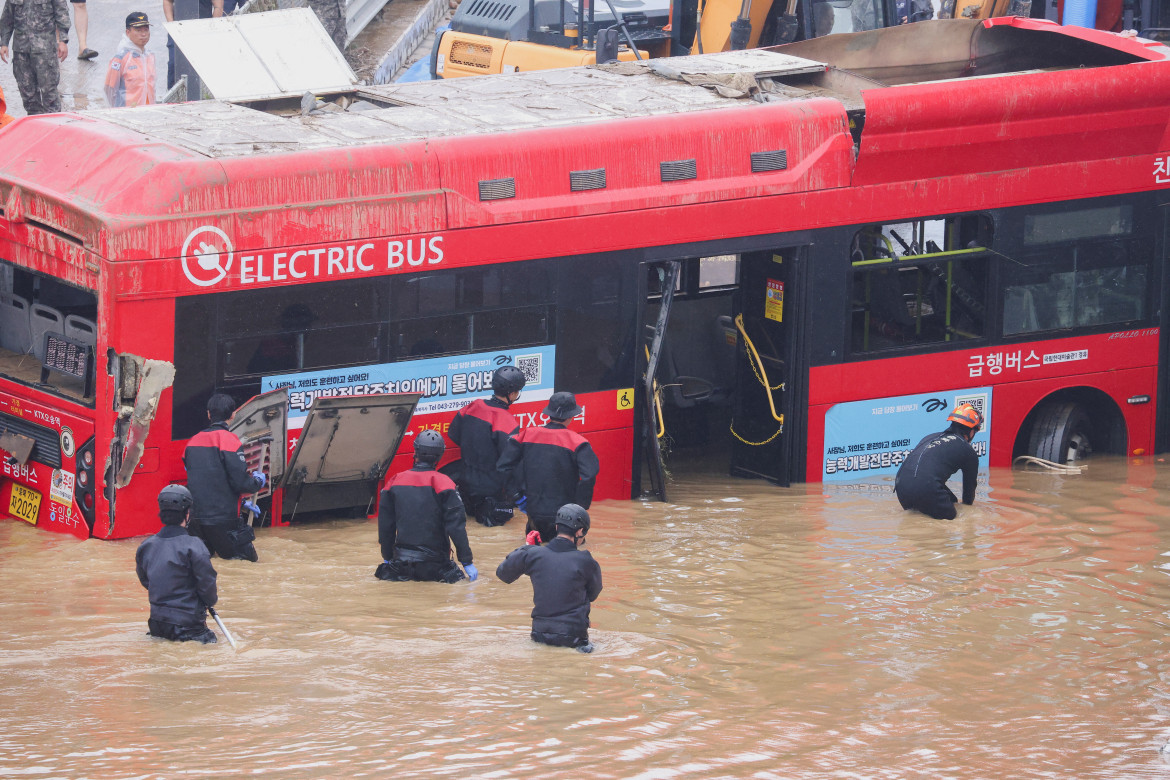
497, 189
587, 180
769, 161
678, 170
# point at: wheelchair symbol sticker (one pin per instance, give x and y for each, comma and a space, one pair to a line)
625, 399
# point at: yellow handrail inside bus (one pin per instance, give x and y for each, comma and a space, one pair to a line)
927, 256
657, 400
762, 374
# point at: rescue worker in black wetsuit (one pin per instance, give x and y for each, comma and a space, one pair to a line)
217, 475
420, 515
553, 466
175, 568
482, 429
565, 581
921, 480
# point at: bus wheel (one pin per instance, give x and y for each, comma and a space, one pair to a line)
1062, 433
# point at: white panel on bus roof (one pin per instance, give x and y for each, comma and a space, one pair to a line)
263, 55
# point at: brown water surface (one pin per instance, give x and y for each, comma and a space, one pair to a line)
744, 631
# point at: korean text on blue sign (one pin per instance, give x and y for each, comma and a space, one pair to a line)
446, 383
871, 438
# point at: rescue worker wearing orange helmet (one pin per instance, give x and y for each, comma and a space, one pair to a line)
921, 482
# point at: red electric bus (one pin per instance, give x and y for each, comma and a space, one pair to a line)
812, 251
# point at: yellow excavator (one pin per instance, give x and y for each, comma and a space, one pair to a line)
506, 36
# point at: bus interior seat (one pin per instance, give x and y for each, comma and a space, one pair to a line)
15, 333
81, 329
681, 390
44, 319
701, 369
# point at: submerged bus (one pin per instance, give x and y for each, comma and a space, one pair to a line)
792, 256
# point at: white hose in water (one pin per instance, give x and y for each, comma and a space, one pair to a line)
1061, 468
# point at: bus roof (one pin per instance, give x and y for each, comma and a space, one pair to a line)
413, 153
573, 96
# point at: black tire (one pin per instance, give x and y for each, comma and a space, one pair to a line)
1061, 429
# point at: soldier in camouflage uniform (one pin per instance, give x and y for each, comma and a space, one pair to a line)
39, 30
332, 16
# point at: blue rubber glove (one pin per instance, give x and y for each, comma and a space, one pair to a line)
250, 506
472, 572
522, 504
260, 475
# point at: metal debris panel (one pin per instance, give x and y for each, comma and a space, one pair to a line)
263, 55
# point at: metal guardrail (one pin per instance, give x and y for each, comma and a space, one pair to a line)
358, 13
177, 93
422, 26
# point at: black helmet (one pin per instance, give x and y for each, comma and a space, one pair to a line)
507, 380
429, 445
174, 498
562, 406
573, 517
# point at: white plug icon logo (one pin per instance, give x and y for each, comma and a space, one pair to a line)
212, 253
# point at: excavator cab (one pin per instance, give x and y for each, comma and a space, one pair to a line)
507, 36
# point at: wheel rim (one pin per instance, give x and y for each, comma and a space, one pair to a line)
1079, 446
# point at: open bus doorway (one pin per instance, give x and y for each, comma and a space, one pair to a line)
768, 365
707, 402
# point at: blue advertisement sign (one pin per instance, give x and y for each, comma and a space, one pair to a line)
871, 438
446, 383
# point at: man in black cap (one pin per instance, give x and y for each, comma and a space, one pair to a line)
552, 466
565, 581
130, 77
175, 568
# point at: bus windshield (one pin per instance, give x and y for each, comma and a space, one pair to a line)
48, 332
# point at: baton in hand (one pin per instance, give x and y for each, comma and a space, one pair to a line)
222, 627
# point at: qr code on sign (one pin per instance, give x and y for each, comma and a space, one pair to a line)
530, 366
978, 401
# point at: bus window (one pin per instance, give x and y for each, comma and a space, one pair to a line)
431, 336
227, 342
300, 350
33, 305
510, 328
266, 332
720, 271
919, 283
480, 309
1082, 285
845, 16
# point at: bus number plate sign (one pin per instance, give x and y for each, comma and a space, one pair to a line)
24, 503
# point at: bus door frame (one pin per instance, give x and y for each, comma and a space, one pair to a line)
790, 401
671, 270
645, 428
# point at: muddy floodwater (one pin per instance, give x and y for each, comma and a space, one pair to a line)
744, 631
